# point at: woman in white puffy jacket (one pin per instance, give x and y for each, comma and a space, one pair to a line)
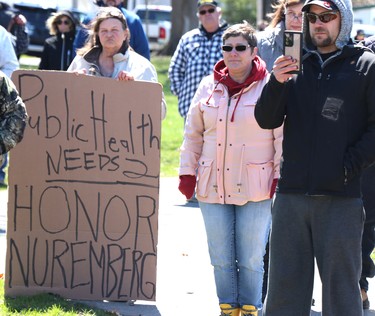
108, 54
237, 167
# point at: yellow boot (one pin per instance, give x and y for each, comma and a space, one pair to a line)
228, 310
249, 310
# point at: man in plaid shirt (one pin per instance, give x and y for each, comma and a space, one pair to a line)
196, 54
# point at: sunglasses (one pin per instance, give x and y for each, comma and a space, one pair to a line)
238, 48
66, 22
110, 12
203, 12
324, 17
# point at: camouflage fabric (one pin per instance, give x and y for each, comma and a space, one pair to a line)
12, 115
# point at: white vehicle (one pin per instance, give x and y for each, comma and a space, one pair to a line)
156, 21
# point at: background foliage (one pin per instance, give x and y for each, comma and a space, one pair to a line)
239, 10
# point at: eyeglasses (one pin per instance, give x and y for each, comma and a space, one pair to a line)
324, 17
238, 48
203, 12
66, 22
293, 15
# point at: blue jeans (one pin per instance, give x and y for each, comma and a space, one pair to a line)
237, 236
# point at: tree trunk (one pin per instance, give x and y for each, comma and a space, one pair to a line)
184, 18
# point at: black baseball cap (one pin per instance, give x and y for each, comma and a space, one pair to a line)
207, 2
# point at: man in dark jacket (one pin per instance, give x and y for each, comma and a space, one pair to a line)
328, 113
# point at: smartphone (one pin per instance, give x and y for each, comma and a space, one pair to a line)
293, 47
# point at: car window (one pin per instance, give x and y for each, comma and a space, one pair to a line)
36, 22
154, 15
34, 15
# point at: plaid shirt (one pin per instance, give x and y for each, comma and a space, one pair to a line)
194, 58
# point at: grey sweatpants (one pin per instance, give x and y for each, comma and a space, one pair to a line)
325, 227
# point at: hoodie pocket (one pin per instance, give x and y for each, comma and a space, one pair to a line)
259, 180
204, 174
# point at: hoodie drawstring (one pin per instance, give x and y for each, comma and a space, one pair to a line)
221, 79
235, 107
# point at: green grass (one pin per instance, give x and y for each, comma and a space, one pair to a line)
44, 304
173, 124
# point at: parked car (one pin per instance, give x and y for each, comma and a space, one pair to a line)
156, 21
37, 16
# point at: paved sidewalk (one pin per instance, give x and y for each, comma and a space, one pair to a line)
185, 284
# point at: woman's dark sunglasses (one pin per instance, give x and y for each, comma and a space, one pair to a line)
66, 22
238, 48
324, 17
203, 12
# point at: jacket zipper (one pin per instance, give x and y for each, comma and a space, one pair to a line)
313, 147
62, 52
239, 184
225, 147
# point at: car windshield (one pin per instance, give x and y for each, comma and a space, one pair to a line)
34, 15
36, 19
154, 15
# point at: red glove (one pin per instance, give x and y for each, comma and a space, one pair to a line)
273, 187
187, 185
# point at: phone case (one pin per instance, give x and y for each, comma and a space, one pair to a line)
293, 47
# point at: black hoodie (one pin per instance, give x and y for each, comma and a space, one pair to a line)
329, 128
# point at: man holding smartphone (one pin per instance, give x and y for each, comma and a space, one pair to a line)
287, 16
328, 111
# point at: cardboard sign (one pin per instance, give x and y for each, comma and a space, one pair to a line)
84, 188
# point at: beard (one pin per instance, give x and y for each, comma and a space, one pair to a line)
322, 43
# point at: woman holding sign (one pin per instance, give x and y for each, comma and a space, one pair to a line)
108, 54
237, 167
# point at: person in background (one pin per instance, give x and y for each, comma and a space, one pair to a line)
368, 196
286, 16
328, 112
368, 237
360, 36
108, 54
8, 64
8, 58
196, 54
58, 50
262, 25
138, 39
237, 164
15, 24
